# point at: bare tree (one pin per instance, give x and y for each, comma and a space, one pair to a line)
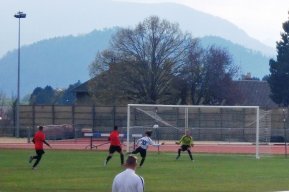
2, 98
208, 76
142, 63
5, 106
156, 63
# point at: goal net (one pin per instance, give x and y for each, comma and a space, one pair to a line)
226, 129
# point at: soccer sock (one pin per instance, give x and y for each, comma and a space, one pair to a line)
108, 158
179, 152
142, 161
121, 158
190, 154
38, 158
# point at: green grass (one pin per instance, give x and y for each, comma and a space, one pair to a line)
84, 171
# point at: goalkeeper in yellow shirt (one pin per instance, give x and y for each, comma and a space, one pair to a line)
186, 142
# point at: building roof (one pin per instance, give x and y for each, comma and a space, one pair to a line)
255, 93
83, 87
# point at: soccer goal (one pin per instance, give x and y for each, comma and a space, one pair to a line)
230, 126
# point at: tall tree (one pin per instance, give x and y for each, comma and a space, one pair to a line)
67, 96
2, 104
142, 63
279, 70
208, 76
51, 96
43, 96
3, 98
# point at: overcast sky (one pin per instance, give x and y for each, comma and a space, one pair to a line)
261, 19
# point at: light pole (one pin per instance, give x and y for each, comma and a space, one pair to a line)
285, 134
19, 15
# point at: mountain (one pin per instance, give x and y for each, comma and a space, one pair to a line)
248, 61
198, 23
58, 62
62, 61
78, 17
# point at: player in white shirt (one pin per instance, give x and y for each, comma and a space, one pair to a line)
128, 180
143, 144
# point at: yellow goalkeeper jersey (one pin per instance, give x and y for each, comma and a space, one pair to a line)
186, 140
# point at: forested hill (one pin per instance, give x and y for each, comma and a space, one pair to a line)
248, 61
61, 61
57, 62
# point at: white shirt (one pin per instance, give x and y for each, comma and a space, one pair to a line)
128, 181
145, 141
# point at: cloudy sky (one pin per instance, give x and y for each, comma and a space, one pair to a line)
261, 19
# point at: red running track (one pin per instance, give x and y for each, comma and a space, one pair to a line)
225, 148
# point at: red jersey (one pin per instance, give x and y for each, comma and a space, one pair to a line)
39, 138
114, 138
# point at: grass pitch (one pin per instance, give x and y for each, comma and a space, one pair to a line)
83, 171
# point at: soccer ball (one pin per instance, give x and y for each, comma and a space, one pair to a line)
156, 126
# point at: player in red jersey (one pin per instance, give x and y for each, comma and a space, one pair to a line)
38, 140
115, 145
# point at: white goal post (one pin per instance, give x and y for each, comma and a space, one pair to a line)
196, 118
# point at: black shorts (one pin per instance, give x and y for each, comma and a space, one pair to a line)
113, 149
185, 147
40, 152
143, 152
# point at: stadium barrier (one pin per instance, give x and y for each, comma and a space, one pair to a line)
98, 136
103, 118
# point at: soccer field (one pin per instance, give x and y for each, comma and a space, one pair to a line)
83, 171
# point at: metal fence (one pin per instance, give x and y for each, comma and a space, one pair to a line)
78, 118
72, 121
